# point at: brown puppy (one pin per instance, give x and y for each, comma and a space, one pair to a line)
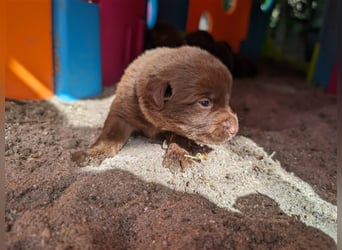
181, 93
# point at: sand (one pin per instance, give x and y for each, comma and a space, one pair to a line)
272, 186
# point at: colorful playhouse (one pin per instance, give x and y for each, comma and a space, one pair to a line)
72, 48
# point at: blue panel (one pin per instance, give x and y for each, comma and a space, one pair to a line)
257, 28
328, 45
77, 56
152, 5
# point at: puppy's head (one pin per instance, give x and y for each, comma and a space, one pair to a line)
188, 93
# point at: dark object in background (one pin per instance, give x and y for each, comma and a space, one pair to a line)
200, 38
239, 65
166, 35
244, 67
224, 52
163, 35
220, 49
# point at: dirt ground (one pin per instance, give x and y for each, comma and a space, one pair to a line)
272, 187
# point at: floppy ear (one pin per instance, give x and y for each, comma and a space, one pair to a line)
158, 92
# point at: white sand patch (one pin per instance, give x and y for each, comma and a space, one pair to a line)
235, 169
84, 113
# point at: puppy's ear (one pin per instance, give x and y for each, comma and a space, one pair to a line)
159, 92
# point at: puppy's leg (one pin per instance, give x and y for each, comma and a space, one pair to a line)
114, 135
178, 150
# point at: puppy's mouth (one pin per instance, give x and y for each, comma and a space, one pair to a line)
212, 134
210, 138
204, 141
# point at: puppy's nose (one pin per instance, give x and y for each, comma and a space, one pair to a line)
234, 128
232, 125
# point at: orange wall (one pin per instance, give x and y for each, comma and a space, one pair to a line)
28, 53
2, 51
230, 26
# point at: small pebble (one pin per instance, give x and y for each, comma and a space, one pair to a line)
46, 233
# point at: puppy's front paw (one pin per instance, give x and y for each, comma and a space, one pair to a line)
175, 157
87, 157
90, 156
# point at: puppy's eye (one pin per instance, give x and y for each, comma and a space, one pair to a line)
205, 103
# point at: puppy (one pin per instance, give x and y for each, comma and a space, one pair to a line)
181, 94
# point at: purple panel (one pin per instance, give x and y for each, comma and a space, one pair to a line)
122, 36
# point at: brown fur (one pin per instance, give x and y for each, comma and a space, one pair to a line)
181, 93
